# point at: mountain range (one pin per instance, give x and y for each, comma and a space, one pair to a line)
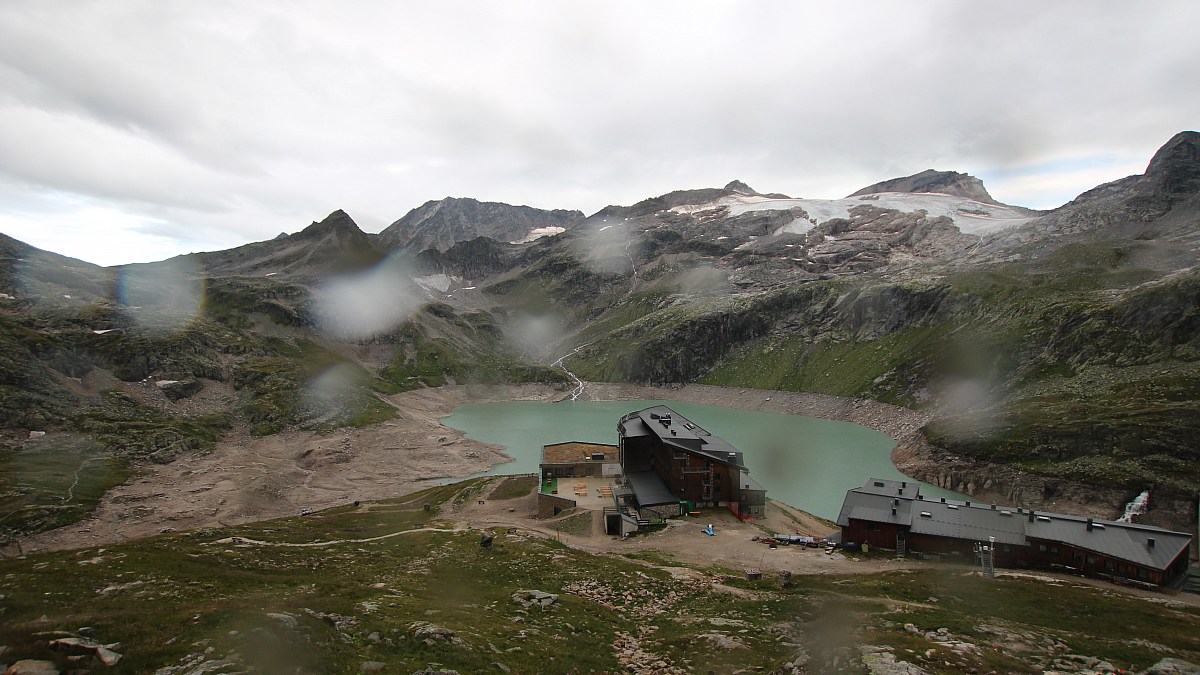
1054, 350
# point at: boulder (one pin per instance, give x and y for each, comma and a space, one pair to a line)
533, 598
81, 646
432, 634
1173, 667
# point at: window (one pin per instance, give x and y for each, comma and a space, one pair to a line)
1041, 548
1091, 560
1054, 549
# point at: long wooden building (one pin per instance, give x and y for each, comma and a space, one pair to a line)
891, 514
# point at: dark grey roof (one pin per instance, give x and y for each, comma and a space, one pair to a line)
965, 520
874, 508
977, 523
650, 489
1127, 541
631, 426
891, 488
679, 432
749, 483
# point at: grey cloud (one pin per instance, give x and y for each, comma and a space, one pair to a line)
238, 121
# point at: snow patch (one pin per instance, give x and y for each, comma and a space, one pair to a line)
438, 282
539, 232
970, 216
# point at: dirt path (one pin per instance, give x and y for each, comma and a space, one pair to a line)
682, 540
245, 479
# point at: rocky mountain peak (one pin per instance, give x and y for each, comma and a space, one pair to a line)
1176, 165
740, 188
442, 223
930, 180
338, 223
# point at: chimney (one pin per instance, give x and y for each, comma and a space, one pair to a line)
966, 503
1089, 524
1031, 515
903, 483
943, 500
893, 510
993, 507
1150, 542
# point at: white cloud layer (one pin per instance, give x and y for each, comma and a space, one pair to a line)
196, 126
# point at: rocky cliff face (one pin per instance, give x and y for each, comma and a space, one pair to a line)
441, 224
1005, 484
1161, 204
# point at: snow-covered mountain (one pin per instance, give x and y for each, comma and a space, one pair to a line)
968, 215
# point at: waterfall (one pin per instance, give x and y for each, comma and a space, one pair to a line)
1136, 507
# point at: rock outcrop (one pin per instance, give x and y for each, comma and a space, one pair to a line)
442, 223
930, 180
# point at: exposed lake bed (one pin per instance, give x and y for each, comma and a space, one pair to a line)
245, 479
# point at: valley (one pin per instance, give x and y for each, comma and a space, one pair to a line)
1049, 359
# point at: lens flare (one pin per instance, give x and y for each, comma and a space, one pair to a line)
367, 304
164, 296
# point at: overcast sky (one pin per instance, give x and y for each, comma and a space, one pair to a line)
136, 130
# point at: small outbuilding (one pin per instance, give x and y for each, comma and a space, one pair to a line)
563, 462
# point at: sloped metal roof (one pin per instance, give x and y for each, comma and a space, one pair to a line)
749, 483
1127, 541
632, 426
681, 433
977, 523
965, 520
649, 489
874, 508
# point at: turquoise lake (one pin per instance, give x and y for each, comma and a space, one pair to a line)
803, 461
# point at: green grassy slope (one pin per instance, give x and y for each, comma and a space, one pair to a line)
337, 589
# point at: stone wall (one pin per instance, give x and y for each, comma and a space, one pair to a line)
548, 503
